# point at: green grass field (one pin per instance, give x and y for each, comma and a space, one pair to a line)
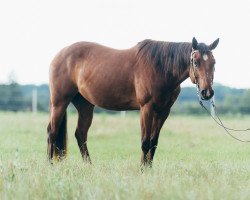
194, 160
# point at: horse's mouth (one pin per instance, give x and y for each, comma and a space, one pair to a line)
206, 98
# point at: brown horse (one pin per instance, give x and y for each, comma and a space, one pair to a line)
146, 77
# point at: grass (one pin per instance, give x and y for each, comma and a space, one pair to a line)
194, 160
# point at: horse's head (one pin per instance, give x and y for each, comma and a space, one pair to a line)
202, 67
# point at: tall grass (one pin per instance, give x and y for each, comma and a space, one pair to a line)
194, 160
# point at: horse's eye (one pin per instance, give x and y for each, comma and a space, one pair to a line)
196, 64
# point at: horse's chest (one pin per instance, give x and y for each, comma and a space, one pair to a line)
166, 98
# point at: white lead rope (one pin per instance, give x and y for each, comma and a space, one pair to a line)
219, 122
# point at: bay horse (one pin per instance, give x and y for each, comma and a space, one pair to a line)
146, 77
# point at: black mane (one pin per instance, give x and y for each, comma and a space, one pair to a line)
168, 57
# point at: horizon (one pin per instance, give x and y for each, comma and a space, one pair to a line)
216, 84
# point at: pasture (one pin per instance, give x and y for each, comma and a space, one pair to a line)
194, 160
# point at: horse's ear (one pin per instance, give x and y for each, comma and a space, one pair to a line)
214, 44
194, 43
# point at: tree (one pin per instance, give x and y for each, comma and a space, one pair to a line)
245, 103
15, 97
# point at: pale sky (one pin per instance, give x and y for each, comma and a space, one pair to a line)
32, 32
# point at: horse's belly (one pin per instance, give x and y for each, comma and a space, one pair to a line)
119, 106
111, 98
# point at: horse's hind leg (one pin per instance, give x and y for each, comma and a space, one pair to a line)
57, 117
85, 116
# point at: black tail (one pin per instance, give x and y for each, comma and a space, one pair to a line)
61, 139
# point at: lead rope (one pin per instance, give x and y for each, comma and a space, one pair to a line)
219, 122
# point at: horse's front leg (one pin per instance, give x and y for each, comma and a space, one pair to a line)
146, 118
158, 120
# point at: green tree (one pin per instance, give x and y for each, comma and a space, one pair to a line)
244, 103
15, 97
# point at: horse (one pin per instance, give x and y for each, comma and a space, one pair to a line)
145, 77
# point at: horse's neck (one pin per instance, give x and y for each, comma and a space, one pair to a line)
184, 76
185, 72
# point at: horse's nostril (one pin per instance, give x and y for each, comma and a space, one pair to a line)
203, 93
207, 94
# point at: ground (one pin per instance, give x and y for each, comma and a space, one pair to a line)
195, 159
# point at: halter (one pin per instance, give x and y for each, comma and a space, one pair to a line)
193, 65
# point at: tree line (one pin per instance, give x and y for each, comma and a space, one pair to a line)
228, 101
16, 97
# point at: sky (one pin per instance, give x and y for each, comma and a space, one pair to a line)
33, 31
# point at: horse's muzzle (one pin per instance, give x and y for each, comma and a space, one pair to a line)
206, 94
